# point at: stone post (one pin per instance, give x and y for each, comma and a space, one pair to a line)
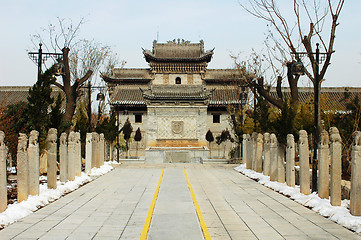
71, 156
266, 154
95, 154
88, 152
259, 153
304, 163
248, 152
22, 168
34, 163
254, 146
101, 149
355, 194
3, 177
274, 157
244, 148
77, 159
290, 161
323, 166
281, 175
51, 144
63, 155
336, 166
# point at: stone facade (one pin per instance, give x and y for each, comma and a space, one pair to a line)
177, 99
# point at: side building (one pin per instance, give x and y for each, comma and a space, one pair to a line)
175, 102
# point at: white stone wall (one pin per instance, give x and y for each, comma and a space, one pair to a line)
186, 79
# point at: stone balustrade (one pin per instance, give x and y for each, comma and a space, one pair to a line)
28, 158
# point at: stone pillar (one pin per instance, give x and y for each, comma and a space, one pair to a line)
77, 159
323, 166
248, 152
34, 163
259, 153
88, 152
71, 156
281, 175
51, 144
266, 154
22, 168
63, 155
3, 178
244, 148
355, 194
101, 149
336, 166
254, 146
304, 163
274, 157
95, 155
290, 161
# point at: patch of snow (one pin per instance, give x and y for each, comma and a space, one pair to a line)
340, 215
17, 211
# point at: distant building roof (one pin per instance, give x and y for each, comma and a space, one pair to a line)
331, 99
15, 94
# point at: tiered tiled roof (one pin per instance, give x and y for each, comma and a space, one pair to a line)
135, 97
331, 99
178, 51
186, 92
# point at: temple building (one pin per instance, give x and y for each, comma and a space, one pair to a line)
175, 102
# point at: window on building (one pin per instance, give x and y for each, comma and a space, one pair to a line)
216, 118
138, 117
178, 80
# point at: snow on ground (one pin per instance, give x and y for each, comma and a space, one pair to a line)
340, 215
17, 211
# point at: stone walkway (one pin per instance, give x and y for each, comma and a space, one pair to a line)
115, 206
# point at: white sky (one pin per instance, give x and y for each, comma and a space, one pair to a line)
128, 26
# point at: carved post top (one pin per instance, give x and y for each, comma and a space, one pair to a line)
52, 135
244, 136
63, 137
259, 138
101, 137
254, 136
303, 139
273, 140
22, 142
77, 137
95, 137
33, 138
290, 141
248, 137
335, 135
266, 138
2, 139
324, 139
71, 137
89, 137
356, 139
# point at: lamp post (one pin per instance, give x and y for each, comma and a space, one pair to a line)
40, 57
100, 97
242, 97
297, 70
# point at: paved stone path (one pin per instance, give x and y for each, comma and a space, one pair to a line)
115, 206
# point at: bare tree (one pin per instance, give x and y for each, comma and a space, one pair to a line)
297, 37
81, 59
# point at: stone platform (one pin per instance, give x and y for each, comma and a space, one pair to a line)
115, 206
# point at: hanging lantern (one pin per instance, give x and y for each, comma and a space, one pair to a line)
59, 69
100, 96
297, 68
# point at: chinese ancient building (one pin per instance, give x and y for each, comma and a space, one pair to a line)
175, 102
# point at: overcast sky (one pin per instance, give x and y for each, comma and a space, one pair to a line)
127, 26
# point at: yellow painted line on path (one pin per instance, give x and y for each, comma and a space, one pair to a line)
144, 234
198, 210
